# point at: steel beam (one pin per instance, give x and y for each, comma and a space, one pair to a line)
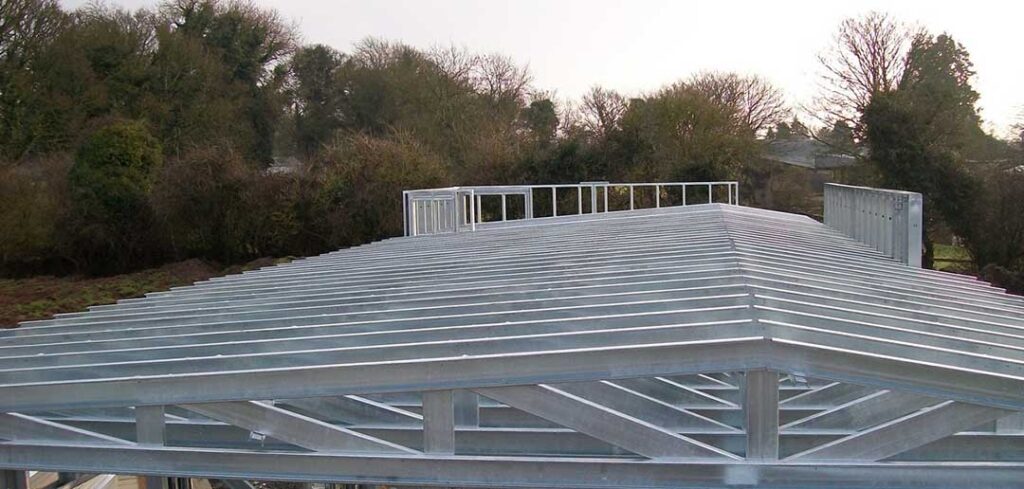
352, 410
462, 471
640, 406
905, 433
677, 358
875, 408
20, 427
293, 428
602, 422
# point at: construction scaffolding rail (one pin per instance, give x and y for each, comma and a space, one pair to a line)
456, 209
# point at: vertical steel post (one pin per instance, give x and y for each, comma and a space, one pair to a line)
529, 204
438, 422
630, 196
503, 212
554, 201
151, 431
472, 211
709, 193
657, 196
684, 194
13, 479
405, 213
579, 199
761, 414
479, 209
606, 198
593, 199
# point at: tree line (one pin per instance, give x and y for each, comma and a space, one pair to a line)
133, 138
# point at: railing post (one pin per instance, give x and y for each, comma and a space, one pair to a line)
630, 196
479, 208
657, 196
503, 212
593, 199
472, 210
684, 194
606, 198
554, 201
405, 213
579, 199
529, 204
709, 193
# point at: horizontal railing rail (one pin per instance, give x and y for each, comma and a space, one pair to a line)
888, 220
457, 209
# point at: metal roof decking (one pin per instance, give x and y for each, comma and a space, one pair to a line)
645, 344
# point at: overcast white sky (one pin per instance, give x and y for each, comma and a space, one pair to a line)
640, 45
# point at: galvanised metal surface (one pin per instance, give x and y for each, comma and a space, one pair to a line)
708, 345
891, 221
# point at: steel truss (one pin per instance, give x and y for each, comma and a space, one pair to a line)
699, 346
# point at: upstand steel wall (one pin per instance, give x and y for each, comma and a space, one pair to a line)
888, 220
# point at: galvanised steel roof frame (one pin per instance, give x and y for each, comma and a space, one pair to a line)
702, 346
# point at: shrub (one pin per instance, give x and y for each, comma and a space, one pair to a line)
109, 227
361, 179
211, 204
33, 200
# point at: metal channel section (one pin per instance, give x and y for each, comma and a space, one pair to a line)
888, 220
706, 345
458, 209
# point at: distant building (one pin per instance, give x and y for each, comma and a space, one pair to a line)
807, 153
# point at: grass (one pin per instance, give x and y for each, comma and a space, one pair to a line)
42, 297
951, 258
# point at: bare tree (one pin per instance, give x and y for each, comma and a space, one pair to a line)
600, 111
454, 62
501, 78
25, 25
758, 104
868, 56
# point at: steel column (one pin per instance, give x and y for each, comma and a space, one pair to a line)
438, 422
761, 408
13, 479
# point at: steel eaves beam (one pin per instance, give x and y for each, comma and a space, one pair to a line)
402, 376
891, 372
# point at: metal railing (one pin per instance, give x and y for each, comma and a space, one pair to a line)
457, 209
888, 220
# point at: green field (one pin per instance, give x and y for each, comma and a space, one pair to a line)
951, 258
